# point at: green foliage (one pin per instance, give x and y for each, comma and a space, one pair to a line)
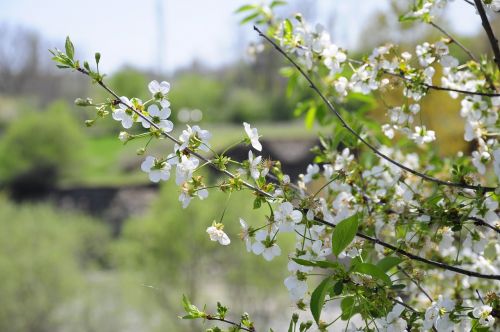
41, 148
173, 251
318, 298
43, 253
344, 233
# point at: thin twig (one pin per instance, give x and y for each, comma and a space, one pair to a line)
268, 195
466, 50
454, 40
238, 325
313, 86
416, 257
416, 283
489, 32
433, 87
405, 305
481, 222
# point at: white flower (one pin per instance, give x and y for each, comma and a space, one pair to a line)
216, 233
333, 58
312, 170
343, 160
388, 130
479, 159
158, 117
194, 137
392, 322
449, 61
287, 217
124, 114
438, 315
296, 288
422, 135
483, 313
254, 164
245, 235
187, 194
266, 245
185, 169
253, 135
157, 169
341, 85
159, 92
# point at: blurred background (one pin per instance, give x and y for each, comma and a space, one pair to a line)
86, 242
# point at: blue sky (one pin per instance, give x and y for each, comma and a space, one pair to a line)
126, 31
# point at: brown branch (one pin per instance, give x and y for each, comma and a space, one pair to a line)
434, 87
466, 50
456, 41
313, 86
268, 195
416, 283
402, 252
237, 325
489, 32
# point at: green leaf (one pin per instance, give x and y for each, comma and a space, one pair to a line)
374, 271
288, 28
347, 307
318, 298
388, 263
322, 264
344, 233
245, 8
249, 18
338, 287
70, 49
257, 203
277, 3
310, 116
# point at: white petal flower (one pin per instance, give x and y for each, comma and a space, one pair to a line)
265, 245
159, 90
185, 169
217, 234
253, 135
422, 135
159, 117
296, 288
157, 169
124, 114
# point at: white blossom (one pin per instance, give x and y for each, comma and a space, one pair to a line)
157, 169
254, 136
216, 233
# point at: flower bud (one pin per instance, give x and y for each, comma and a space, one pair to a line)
124, 136
140, 151
83, 102
89, 123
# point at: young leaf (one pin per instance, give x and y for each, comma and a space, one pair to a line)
388, 263
374, 271
70, 50
318, 298
344, 233
277, 3
249, 18
245, 8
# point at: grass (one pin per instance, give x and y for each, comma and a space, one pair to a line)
110, 163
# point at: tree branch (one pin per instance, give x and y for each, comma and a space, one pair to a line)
268, 195
238, 325
489, 32
353, 132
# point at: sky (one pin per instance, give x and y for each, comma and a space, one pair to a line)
128, 31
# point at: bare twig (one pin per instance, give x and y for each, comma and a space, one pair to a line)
416, 283
268, 195
454, 40
238, 325
489, 32
313, 86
